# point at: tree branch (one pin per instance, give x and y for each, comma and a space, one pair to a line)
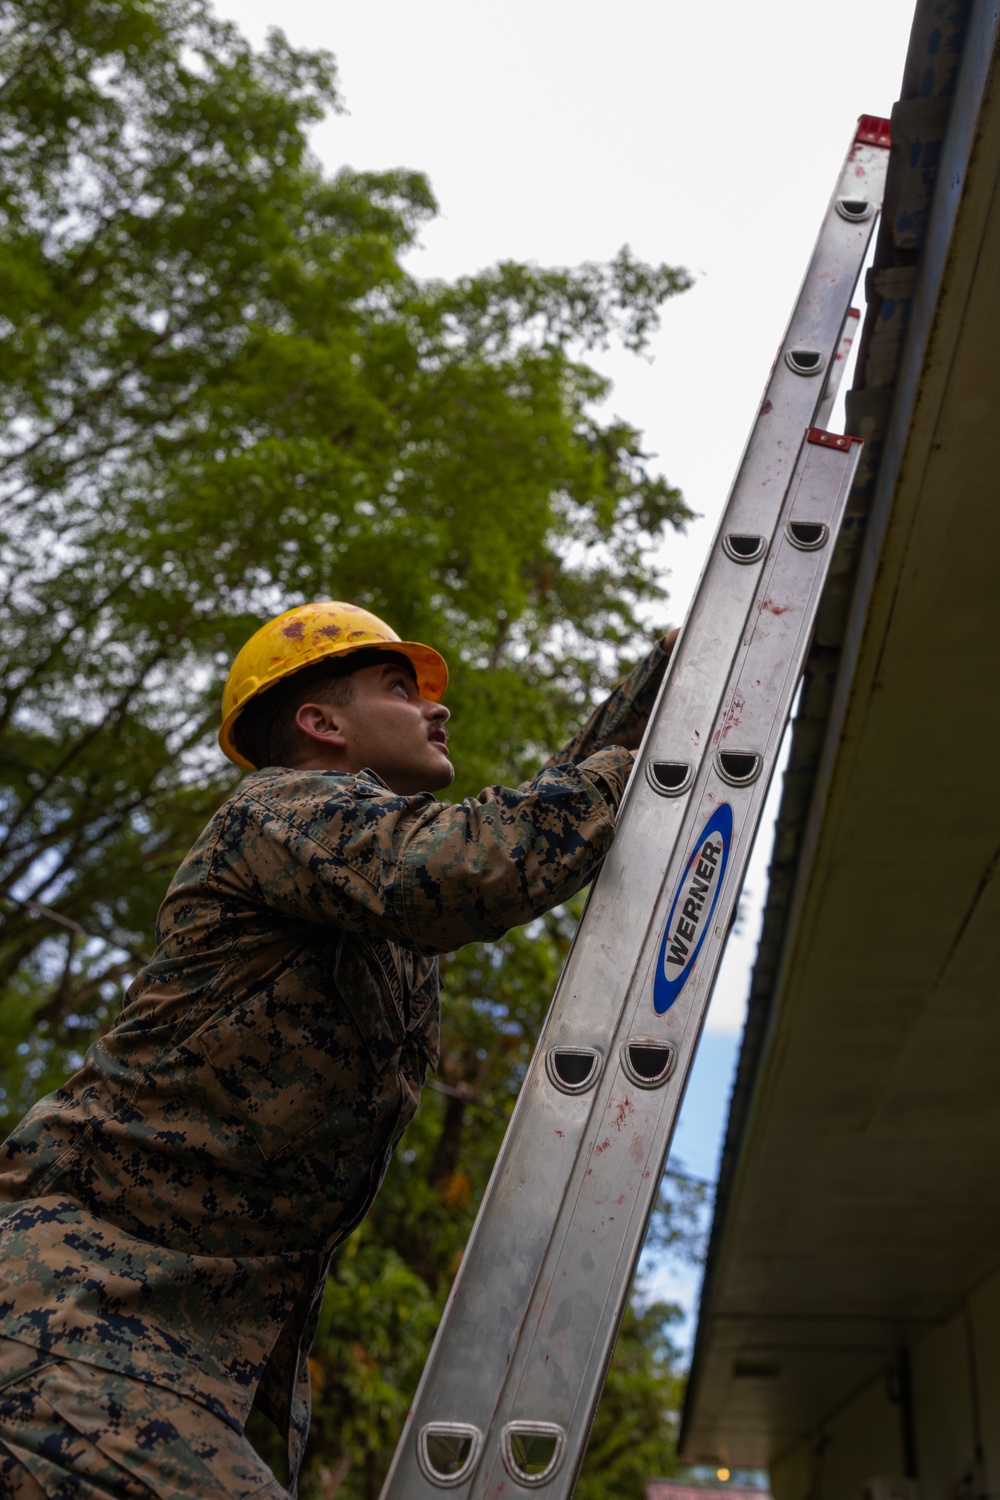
58, 770
27, 903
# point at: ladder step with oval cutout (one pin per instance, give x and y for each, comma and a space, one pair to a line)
532, 1451
447, 1452
573, 1069
648, 1061
744, 548
739, 767
805, 361
808, 536
669, 777
855, 210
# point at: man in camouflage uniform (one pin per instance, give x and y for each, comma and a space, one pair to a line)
167, 1218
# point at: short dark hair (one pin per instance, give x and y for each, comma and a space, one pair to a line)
266, 733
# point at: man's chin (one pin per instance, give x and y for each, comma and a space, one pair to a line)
443, 776
433, 778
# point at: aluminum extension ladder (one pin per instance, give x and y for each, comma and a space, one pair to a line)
507, 1399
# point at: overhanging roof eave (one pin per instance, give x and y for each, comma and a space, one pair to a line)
901, 438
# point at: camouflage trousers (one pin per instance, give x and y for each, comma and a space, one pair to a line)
72, 1431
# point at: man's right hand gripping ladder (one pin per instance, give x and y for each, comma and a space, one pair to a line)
507, 1398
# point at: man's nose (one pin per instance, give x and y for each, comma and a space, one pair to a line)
436, 711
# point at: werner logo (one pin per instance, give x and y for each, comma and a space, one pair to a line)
691, 913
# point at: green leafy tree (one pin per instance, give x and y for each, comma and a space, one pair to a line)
222, 393
635, 1431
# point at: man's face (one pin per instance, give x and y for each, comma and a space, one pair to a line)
388, 728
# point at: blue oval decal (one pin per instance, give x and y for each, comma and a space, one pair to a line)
691, 913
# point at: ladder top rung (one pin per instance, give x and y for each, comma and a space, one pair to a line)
873, 130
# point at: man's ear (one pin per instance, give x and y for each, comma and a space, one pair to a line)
321, 722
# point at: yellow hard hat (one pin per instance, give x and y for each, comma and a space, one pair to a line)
311, 633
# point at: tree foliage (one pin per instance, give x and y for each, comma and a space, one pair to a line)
223, 393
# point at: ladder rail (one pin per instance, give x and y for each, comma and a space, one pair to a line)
569, 1327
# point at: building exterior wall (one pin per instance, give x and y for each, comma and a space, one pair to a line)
985, 1352
955, 1416
942, 1404
862, 1439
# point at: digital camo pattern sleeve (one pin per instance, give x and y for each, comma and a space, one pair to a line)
428, 875
622, 718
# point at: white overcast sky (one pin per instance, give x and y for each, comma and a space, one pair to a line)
706, 135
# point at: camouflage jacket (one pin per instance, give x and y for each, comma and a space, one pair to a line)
170, 1212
